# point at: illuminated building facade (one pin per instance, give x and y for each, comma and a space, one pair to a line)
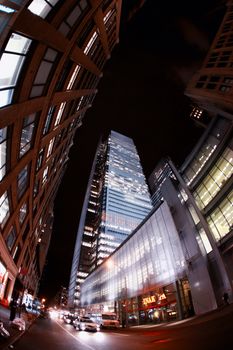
193, 203
179, 260
146, 277
117, 200
52, 54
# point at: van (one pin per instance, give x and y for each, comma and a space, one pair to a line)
109, 320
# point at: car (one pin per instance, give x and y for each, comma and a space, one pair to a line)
86, 324
69, 318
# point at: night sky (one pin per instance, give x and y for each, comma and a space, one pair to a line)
141, 95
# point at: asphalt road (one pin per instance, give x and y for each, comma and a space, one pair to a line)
199, 334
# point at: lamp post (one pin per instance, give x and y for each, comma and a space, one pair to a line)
124, 313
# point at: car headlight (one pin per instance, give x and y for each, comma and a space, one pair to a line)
83, 326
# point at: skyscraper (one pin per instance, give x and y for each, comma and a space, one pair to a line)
116, 201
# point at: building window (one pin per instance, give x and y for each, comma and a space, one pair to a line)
4, 209
221, 171
22, 180
11, 63
73, 77
90, 43
42, 76
16, 253
42, 7
23, 213
50, 148
11, 238
45, 175
48, 120
36, 188
221, 219
59, 113
3, 152
27, 133
205, 241
40, 159
73, 18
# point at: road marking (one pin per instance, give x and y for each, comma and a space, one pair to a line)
125, 335
87, 346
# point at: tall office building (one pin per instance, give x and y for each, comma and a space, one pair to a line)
52, 55
117, 200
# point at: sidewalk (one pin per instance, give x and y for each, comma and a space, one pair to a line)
14, 332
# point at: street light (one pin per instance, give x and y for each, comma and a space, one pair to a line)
110, 263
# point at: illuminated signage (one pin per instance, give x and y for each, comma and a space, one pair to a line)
149, 300
153, 299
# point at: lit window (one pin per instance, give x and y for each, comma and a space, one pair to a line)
73, 77
48, 120
11, 63
22, 213
205, 241
59, 113
42, 7
90, 43
6, 9
50, 148
3, 149
10, 240
22, 181
221, 219
27, 134
4, 209
45, 175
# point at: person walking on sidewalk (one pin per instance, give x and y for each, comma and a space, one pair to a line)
226, 298
13, 308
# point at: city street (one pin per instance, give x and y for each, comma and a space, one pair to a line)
209, 332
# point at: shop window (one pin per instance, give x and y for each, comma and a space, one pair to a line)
4, 209
11, 238
27, 134
11, 64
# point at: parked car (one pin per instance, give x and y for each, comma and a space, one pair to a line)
86, 324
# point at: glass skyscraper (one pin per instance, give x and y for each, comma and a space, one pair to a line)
117, 200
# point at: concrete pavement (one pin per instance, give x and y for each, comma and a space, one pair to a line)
7, 343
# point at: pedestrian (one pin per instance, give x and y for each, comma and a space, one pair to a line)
13, 308
226, 298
